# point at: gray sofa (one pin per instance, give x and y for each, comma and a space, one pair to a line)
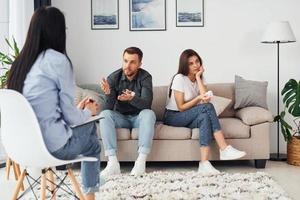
246, 129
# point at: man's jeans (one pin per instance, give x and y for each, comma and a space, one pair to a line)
202, 116
84, 141
144, 121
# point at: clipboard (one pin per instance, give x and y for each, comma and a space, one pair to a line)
90, 120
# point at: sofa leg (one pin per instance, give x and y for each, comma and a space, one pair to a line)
260, 163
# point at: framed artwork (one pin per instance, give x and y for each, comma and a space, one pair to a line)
104, 14
147, 15
189, 13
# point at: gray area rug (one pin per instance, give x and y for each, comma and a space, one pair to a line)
191, 185
186, 186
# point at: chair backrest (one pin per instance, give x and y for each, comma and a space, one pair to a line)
20, 130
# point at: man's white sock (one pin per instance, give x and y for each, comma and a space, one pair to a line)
113, 159
142, 157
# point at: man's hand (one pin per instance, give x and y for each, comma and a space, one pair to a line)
126, 96
105, 86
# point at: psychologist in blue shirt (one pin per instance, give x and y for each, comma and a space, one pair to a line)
44, 74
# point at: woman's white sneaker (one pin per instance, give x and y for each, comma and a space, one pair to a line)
231, 153
205, 168
112, 168
138, 169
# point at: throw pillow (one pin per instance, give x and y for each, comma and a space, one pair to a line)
220, 103
250, 93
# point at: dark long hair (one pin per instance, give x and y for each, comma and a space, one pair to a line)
183, 67
47, 30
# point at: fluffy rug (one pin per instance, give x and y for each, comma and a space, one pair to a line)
187, 185
191, 185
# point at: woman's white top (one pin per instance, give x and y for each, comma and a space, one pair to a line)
182, 84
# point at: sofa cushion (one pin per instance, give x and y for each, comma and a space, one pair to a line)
250, 93
254, 115
232, 128
164, 132
122, 133
160, 94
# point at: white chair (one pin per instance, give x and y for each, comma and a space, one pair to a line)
23, 142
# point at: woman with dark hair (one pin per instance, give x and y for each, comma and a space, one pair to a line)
43, 73
188, 106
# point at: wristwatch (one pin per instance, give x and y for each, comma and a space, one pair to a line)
132, 94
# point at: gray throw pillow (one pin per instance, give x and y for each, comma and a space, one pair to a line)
250, 93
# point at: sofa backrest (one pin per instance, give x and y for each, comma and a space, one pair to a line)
160, 95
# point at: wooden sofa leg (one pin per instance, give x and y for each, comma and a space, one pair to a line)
260, 163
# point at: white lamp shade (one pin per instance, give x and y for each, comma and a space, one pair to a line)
278, 32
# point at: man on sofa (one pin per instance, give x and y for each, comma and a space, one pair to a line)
128, 98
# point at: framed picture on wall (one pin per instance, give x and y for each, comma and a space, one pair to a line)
189, 13
147, 15
104, 14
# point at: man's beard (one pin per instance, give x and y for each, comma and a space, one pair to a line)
130, 74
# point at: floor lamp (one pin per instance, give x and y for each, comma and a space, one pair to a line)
278, 32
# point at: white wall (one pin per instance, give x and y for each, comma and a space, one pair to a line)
229, 43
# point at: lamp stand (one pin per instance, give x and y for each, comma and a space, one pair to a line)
278, 156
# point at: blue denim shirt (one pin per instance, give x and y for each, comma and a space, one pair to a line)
50, 88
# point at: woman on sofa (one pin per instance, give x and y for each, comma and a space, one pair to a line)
43, 74
188, 106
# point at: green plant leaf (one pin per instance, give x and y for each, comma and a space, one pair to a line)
291, 97
276, 118
289, 135
283, 132
282, 114
8, 43
285, 124
16, 49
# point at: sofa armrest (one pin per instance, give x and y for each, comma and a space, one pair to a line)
254, 115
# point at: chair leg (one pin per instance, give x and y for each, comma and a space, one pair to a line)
14, 165
51, 183
19, 183
43, 185
75, 184
7, 170
19, 174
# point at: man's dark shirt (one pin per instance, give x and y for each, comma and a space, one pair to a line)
141, 85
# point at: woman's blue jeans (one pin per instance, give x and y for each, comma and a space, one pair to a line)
202, 116
84, 141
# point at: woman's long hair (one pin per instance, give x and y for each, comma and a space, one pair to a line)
47, 30
184, 64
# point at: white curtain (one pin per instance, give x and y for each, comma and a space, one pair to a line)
20, 12
15, 17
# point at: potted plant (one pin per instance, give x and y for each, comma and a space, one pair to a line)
6, 59
291, 100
